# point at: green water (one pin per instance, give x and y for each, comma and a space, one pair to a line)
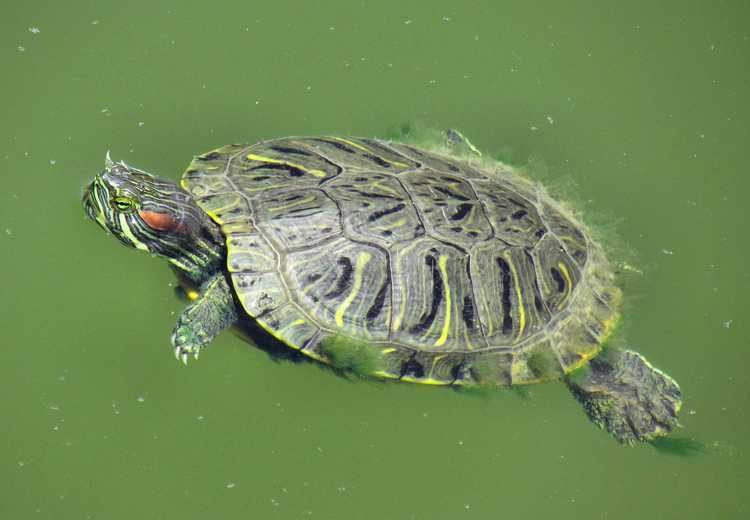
644, 108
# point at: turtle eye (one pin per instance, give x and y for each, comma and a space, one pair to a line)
124, 204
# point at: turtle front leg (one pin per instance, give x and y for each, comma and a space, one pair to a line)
212, 312
624, 394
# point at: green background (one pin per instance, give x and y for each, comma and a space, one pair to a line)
643, 107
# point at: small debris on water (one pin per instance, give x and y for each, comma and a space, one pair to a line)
94, 22
446, 18
21, 463
230, 485
52, 162
21, 48
34, 30
140, 399
141, 123
8, 231
200, 417
407, 22
728, 324
691, 412
667, 252
534, 128
550, 120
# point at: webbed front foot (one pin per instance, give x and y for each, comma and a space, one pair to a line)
624, 394
211, 312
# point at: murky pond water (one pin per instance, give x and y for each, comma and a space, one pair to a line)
643, 109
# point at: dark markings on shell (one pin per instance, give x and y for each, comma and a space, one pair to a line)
412, 368
377, 160
468, 312
210, 156
558, 279
450, 193
537, 290
293, 151
377, 306
507, 318
437, 296
461, 211
344, 280
518, 215
336, 144
383, 212
291, 170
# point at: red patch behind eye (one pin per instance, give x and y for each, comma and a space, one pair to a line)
160, 221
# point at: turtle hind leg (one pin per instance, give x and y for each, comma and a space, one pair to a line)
458, 141
622, 393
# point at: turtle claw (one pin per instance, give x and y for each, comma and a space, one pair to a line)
188, 339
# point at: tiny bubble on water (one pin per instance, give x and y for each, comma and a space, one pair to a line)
34, 30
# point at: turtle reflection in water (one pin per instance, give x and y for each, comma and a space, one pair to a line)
442, 269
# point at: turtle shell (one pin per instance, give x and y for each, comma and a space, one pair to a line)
452, 271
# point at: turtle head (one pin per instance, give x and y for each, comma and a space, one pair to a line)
154, 215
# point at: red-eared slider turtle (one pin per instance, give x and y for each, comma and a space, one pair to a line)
444, 270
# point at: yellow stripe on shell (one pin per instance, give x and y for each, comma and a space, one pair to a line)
260, 158
568, 281
402, 303
362, 259
424, 381
521, 309
400, 222
442, 263
365, 149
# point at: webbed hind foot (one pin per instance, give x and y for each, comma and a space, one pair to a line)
622, 393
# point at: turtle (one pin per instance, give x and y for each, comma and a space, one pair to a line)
443, 267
